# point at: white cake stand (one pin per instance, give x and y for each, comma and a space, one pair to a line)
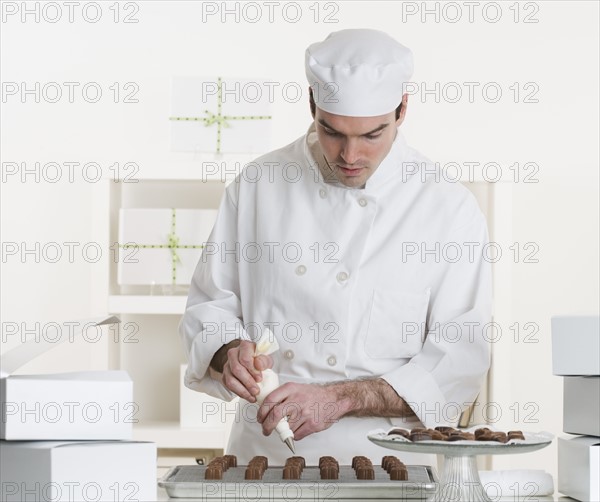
459, 479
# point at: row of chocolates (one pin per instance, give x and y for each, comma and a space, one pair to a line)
329, 468
452, 434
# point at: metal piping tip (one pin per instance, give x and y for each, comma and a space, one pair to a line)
290, 444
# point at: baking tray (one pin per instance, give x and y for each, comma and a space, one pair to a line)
187, 481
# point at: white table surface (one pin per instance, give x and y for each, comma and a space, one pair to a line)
162, 496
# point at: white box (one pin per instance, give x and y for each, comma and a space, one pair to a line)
163, 246
581, 406
579, 467
79, 405
66, 471
240, 123
199, 410
576, 345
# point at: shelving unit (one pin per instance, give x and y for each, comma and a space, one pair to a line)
149, 347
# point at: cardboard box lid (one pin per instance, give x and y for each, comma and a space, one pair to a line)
583, 441
48, 445
80, 376
17, 357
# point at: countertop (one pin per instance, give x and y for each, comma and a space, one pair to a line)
162, 496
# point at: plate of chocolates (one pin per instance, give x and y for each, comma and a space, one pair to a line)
449, 441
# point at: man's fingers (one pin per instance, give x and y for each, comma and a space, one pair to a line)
263, 362
235, 386
302, 424
265, 417
269, 415
299, 425
306, 407
302, 431
246, 358
240, 371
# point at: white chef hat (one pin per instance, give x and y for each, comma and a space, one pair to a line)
358, 72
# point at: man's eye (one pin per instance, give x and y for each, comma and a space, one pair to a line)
331, 133
372, 136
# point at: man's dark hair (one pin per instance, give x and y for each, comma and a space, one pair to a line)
313, 107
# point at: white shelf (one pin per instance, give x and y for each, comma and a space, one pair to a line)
171, 435
146, 304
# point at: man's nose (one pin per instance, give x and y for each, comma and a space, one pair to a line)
350, 151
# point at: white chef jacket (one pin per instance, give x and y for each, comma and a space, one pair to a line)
384, 281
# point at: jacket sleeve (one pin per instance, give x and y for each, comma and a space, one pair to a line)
444, 378
213, 314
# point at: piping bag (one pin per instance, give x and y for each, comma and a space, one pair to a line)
267, 344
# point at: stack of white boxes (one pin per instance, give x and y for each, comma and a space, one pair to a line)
67, 436
576, 356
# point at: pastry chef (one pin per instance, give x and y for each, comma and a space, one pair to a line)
365, 265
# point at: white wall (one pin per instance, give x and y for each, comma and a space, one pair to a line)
559, 54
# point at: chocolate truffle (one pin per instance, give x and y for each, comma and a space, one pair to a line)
420, 436
399, 474
297, 460
253, 473
436, 435
213, 473
231, 460
365, 473
329, 472
457, 436
291, 472
356, 459
386, 461
399, 432
499, 437
326, 458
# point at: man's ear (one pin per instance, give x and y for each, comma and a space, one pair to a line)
402, 110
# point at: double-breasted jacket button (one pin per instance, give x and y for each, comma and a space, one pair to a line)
342, 277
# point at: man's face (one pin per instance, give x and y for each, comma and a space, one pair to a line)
355, 146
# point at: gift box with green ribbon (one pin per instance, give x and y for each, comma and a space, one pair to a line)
221, 115
161, 246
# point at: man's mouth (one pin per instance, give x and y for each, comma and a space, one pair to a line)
350, 171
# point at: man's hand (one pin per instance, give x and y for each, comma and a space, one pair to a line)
310, 408
313, 408
235, 366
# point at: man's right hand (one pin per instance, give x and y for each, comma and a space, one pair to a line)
235, 366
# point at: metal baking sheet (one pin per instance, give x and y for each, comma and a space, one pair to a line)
187, 481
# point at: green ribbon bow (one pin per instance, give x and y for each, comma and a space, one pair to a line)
211, 119
172, 244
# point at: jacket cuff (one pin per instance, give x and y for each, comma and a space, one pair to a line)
202, 353
420, 391
201, 349
208, 386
